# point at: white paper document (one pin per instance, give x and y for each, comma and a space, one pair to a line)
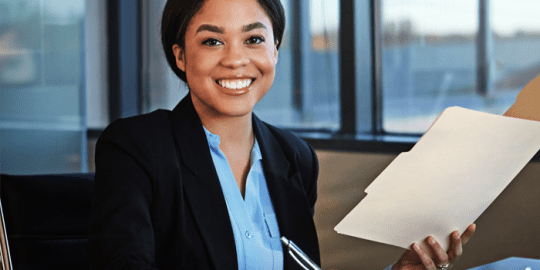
447, 180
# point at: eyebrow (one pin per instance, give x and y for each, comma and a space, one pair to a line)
211, 28
254, 25
217, 29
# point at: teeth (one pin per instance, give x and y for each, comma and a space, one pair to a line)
235, 84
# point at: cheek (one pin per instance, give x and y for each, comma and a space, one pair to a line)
267, 62
199, 64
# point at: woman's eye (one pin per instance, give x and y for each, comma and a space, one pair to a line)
255, 40
211, 42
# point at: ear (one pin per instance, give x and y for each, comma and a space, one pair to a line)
180, 57
276, 51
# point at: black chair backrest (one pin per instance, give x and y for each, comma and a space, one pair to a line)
46, 220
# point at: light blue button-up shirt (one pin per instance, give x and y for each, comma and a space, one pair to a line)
254, 224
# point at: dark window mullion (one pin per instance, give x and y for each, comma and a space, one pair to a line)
113, 60
347, 72
301, 50
376, 53
124, 31
484, 50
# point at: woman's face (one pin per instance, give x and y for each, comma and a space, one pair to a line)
230, 57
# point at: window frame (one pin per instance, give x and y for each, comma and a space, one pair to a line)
358, 135
124, 61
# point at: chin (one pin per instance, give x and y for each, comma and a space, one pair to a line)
235, 108
236, 112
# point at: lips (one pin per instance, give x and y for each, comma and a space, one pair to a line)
234, 84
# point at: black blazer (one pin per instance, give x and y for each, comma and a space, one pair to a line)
157, 202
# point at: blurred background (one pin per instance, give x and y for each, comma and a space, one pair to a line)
360, 80
63, 74
42, 86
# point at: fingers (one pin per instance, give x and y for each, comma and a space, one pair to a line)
457, 242
456, 247
468, 233
424, 257
442, 256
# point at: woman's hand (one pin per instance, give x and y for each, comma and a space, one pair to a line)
419, 259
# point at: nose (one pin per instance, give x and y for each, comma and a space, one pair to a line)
235, 56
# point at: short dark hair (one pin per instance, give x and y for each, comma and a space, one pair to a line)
178, 13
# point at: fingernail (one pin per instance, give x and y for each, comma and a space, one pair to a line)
415, 246
432, 240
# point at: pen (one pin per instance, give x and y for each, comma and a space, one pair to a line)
298, 255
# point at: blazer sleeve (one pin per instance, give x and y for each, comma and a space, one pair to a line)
120, 231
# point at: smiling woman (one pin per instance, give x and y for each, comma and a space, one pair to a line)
208, 185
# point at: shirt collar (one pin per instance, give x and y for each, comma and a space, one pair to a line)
255, 153
213, 139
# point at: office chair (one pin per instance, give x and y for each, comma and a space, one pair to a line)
46, 220
5, 259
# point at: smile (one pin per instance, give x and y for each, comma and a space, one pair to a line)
234, 84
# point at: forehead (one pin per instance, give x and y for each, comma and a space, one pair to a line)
233, 14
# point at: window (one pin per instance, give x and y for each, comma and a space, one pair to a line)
516, 38
349, 71
42, 90
305, 93
442, 53
352, 74
162, 89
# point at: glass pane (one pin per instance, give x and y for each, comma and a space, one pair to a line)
163, 90
316, 105
42, 127
277, 105
324, 75
516, 34
429, 61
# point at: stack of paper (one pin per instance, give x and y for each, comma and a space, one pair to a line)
454, 172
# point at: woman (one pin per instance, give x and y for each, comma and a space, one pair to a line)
208, 185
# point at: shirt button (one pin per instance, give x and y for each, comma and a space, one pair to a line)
249, 234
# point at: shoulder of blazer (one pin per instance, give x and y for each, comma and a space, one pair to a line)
130, 156
143, 137
291, 144
142, 125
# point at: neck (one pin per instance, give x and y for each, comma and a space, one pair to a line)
231, 130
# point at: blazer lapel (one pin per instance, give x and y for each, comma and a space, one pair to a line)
202, 186
288, 197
